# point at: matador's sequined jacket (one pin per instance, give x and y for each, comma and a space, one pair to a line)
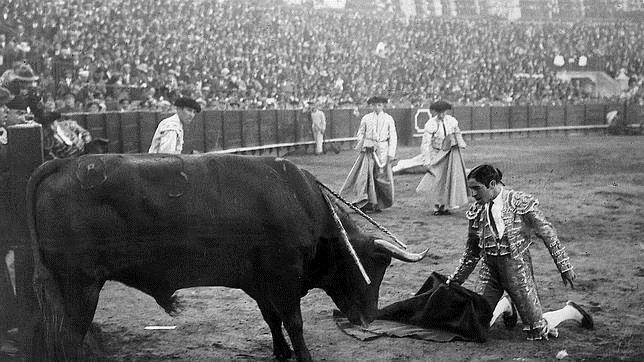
520, 216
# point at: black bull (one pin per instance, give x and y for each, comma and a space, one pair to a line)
160, 223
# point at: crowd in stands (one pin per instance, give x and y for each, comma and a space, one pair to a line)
129, 54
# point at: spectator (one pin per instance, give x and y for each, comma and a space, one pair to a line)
70, 105
27, 101
479, 64
93, 107
5, 97
124, 104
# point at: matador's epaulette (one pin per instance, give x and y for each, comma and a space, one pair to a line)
521, 202
473, 211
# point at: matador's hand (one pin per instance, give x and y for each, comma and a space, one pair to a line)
567, 277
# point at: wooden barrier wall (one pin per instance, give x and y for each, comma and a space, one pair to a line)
211, 130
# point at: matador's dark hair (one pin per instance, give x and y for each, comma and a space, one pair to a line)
486, 173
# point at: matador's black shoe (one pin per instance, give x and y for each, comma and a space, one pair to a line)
510, 320
587, 320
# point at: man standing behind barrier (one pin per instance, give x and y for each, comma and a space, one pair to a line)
370, 183
168, 138
318, 126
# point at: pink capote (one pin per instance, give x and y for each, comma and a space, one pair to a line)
368, 183
444, 182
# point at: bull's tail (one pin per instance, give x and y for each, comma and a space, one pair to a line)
46, 338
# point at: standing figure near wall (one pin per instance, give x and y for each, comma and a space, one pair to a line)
168, 137
370, 183
318, 126
444, 184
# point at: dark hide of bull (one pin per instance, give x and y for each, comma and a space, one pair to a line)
160, 223
97, 146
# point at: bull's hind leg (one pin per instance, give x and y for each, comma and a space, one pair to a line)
281, 349
80, 298
67, 308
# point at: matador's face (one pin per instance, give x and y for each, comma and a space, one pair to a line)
481, 193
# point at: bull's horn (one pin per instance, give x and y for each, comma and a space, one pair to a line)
399, 253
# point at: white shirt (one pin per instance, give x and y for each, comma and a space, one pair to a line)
168, 138
436, 131
497, 213
378, 131
434, 127
318, 121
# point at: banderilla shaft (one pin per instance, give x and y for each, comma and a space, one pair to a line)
361, 213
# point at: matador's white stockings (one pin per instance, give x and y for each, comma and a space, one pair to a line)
554, 318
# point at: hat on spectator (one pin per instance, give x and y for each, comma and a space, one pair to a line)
5, 95
378, 100
49, 117
89, 103
185, 102
25, 73
440, 106
142, 67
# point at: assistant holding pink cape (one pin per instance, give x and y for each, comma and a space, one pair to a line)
444, 184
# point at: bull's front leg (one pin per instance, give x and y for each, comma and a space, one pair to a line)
281, 349
293, 324
284, 308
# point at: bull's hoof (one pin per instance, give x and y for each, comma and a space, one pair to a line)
284, 354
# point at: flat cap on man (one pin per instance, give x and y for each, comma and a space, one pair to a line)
377, 100
48, 117
25, 73
185, 102
440, 106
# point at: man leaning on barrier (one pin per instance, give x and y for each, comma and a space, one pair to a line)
168, 137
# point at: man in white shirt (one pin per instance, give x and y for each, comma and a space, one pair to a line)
168, 138
370, 183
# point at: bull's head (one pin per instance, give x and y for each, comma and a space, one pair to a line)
357, 300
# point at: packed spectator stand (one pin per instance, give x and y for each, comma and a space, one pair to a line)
128, 54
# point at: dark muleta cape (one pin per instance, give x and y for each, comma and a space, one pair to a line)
444, 313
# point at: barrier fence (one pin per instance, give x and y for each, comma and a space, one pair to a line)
257, 130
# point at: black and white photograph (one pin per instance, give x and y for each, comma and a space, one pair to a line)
321, 180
